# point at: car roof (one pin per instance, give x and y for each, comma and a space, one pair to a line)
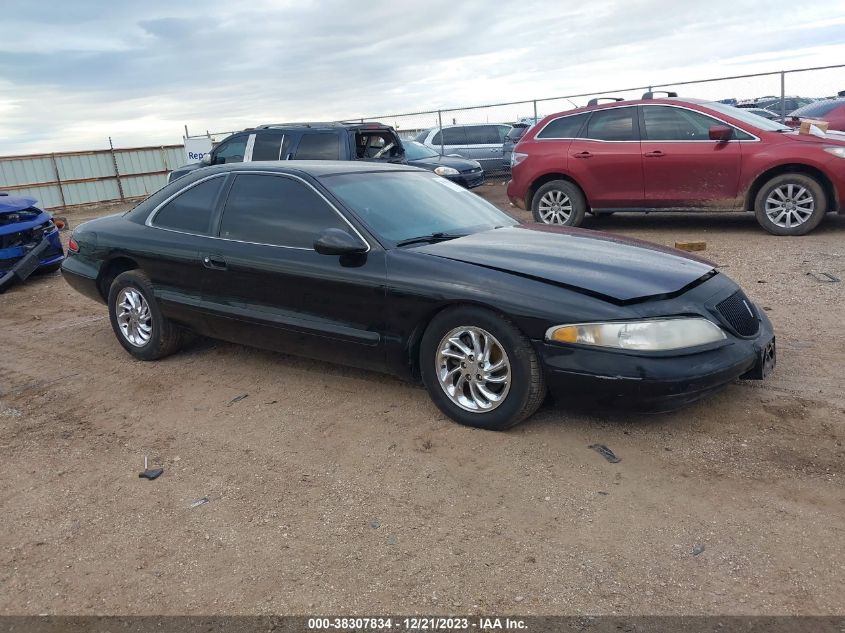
374, 125
437, 127
632, 102
314, 168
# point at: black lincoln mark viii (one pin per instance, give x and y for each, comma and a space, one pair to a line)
396, 269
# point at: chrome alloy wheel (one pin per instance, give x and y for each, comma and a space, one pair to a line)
134, 317
473, 369
555, 207
790, 205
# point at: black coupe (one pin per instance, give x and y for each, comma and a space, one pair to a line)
396, 269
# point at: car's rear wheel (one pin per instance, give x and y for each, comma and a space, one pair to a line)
790, 204
480, 370
137, 320
559, 202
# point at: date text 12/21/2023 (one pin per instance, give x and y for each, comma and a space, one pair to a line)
418, 623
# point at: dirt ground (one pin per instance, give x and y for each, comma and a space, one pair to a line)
332, 490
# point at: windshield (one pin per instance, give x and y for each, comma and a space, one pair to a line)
402, 205
747, 117
819, 108
417, 151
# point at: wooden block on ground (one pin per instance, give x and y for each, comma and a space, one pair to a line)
691, 246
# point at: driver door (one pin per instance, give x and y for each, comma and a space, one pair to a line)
266, 285
682, 167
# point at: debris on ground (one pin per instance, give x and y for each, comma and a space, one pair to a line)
392, 540
150, 473
698, 549
691, 246
200, 502
237, 399
605, 452
823, 277
375, 523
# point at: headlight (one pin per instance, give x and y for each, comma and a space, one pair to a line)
446, 171
836, 151
655, 335
517, 158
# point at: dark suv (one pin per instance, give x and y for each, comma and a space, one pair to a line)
304, 141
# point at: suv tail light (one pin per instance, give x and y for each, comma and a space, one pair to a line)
72, 246
517, 158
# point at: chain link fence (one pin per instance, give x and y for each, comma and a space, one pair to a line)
483, 136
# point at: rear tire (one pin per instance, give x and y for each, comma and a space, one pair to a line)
559, 202
480, 370
790, 204
137, 320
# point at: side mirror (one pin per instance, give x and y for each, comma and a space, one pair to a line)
338, 242
721, 133
206, 159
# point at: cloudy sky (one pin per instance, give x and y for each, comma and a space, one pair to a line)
73, 73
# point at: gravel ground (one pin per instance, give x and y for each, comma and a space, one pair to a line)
332, 490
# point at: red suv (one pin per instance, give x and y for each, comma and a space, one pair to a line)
676, 154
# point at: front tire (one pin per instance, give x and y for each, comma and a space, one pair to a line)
137, 320
790, 204
559, 202
480, 370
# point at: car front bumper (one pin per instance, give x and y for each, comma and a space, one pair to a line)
651, 383
469, 180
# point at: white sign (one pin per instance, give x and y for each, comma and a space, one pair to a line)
196, 148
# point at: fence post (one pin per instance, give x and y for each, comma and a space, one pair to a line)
59, 180
440, 127
535, 112
116, 171
782, 94
186, 131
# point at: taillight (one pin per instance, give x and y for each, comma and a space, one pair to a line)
517, 158
72, 246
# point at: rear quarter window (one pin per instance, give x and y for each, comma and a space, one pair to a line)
191, 210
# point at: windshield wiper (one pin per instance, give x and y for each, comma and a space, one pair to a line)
430, 238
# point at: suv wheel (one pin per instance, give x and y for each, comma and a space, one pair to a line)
790, 204
559, 202
480, 370
137, 320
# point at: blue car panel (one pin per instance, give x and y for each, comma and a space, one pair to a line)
23, 227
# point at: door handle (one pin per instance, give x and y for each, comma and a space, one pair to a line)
584, 154
215, 263
655, 154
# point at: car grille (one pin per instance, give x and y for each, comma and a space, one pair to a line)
739, 313
472, 170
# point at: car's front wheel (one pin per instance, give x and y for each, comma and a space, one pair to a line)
480, 370
790, 204
559, 202
137, 320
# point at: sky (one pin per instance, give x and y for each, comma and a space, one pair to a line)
75, 72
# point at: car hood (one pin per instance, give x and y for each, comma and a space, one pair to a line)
617, 269
11, 204
461, 164
831, 137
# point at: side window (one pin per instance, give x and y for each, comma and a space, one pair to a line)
482, 135
319, 146
612, 124
504, 130
270, 146
230, 151
192, 209
275, 210
665, 123
451, 136
564, 127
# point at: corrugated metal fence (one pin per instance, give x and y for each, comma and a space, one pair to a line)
76, 178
